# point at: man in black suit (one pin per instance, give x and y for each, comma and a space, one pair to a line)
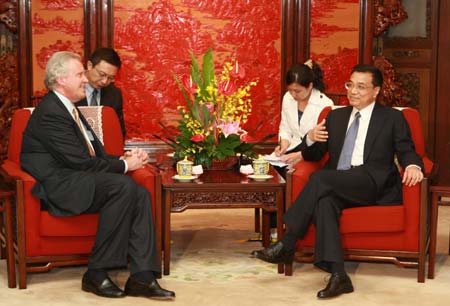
74, 175
102, 67
363, 173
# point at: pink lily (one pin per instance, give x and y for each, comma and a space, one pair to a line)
229, 128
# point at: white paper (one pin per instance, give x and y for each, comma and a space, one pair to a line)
275, 160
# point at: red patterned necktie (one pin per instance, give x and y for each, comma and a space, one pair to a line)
88, 142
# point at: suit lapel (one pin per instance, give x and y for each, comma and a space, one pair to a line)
375, 126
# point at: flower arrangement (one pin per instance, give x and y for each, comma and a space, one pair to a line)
210, 124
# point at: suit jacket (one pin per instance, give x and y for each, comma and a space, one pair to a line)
388, 136
56, 154
110, 96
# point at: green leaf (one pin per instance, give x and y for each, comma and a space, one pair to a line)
206, 116
208, 68
195, 71
185, 95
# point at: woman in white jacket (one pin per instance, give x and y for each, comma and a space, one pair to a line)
302, 104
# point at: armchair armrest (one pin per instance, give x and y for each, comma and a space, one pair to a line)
150, 178
297, 177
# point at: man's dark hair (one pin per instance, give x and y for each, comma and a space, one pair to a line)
108, 55
377, 76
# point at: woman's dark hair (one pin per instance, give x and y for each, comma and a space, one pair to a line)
377, 75
303, 75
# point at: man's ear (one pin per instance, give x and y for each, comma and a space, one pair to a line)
60, 80
377, 91
89, 65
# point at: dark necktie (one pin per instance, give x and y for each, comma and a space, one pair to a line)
345, 160
78, 121
94, 97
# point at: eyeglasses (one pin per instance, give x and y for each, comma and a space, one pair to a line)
103, 75
359, 87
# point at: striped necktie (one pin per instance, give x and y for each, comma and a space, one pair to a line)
345, 159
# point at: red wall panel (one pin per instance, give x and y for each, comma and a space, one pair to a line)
154, 37
56, 26
335, 39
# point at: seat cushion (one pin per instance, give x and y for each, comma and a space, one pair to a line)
373, 219
76, 226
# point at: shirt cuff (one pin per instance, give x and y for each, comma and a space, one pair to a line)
309, 142
126, 166
412, 165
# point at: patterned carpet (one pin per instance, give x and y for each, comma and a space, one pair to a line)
211, 266
226, 260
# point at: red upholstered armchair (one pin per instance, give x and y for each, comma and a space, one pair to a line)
396, 234
44, 241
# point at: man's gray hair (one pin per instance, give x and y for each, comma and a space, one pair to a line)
56, 67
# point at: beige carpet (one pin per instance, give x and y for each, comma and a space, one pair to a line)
211, 266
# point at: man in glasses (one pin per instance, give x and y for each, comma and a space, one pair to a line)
362, 140
102, 68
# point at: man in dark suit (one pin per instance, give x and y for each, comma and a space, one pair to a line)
358, 172
102, 67
74, 175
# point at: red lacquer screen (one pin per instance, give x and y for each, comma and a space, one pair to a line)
153, 39
335, 40
56, 26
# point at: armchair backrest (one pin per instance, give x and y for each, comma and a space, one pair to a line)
18, 125
103, 119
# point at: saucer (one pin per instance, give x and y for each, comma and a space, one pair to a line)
183, 178
260, 177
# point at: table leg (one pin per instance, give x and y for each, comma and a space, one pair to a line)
433, 233
280, 213
257, 220
167, 208
266, 229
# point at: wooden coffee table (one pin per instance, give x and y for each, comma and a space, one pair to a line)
222, 189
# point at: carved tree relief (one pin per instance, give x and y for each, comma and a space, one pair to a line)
388, 13
9, 98
392, 94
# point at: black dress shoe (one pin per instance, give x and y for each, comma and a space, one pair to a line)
275, 253
152, 290
105, 288
338, 284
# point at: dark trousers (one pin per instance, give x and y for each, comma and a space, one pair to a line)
125, 226
322, 200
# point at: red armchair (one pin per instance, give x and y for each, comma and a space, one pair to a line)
44, 241
396, 234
